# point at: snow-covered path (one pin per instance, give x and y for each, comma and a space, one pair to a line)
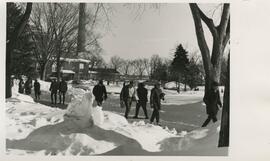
83, 129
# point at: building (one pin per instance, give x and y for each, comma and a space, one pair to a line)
108, 74
70, 67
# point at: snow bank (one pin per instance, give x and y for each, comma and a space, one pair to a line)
84, 129
173, 85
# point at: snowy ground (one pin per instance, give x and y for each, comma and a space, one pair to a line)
84, 129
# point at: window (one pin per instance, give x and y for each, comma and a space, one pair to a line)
81, 66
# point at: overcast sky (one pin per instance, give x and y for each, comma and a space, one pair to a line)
154, 32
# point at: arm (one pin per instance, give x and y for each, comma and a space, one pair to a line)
151, 99
105, 92
218, 99
121, 94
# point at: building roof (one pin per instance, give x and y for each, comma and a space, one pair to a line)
75, 60
103, 70
67, 71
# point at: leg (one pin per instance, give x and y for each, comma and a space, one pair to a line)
214, 118
144, 110
137, 109
153, 116
206, 121
60, 99
157, 117
64, 97
55, 98
51, 97
127, 108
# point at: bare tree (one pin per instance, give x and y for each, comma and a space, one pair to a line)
116, 62
126, 67
147, 66
155, 61
221, 36
139, 66
10, 44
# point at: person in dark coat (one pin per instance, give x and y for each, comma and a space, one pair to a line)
128, 94
28, 86
212, 102
100, 93
62, 90
21, 86
37, 89
54, 88
155, 102
142, 100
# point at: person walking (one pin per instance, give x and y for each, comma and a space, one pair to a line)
100, 93
212, 102
21, 86
155, 102
28, 86
37, 89
54, 88
62, 90
142, 96
127, 95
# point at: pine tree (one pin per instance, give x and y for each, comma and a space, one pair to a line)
180, 64
22, 60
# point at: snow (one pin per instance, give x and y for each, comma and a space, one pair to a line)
75, 60
84, 129
68, 71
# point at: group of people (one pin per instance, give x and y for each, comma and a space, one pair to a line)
60, 88
140, 96
26, 87
127, 96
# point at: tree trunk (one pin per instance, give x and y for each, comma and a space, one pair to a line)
81, 30
81, 35
10, 45
225, 119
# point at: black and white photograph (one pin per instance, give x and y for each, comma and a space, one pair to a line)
117, 79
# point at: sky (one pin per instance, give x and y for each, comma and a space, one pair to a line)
155, 31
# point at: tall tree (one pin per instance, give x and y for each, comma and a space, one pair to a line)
116, 62
225, 118
180, 64
221, 36
10, 45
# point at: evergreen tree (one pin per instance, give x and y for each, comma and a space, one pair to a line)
22, 60
193, 74
180, 64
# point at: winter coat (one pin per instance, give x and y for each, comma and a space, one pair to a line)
63, 86
100, 92
28, 87
37, 87
212, 102
21, 87
124, 95
54, 87
155, 98
142, 94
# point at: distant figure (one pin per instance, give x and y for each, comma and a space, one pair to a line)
37, 89
62, 91
21, 86
28, 86
54, 88
127, 95
212, 102
155, 102
100, 93
142, 96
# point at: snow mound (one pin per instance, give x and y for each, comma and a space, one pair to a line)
84, 129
